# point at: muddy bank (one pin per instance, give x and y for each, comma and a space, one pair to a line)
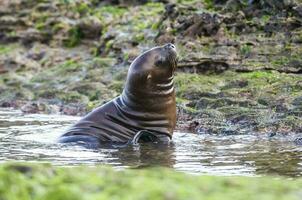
239, 61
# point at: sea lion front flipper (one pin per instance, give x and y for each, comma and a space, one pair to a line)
148, 136
86, 141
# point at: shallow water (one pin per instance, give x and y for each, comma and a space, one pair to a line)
32, 138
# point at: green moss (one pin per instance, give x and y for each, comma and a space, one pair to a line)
82, 8
139, 23
98, 62
72, 96
280, 61
265, 18
245, 50
260, 74
209, 4
7, 48
117, 86
192, 83
74, 38
108, 14
24, 181
112, 10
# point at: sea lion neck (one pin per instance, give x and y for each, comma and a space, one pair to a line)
149, 83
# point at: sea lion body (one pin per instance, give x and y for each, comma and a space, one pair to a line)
146, 104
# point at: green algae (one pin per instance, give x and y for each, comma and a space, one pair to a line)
43, 181
7, 48
260, 100
109, 13
75, 36
245, 50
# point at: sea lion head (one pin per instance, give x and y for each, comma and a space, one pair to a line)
158, 63
153, 71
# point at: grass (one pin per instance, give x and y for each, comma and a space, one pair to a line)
43, 181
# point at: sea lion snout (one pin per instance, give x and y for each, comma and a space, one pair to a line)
170, 46
169, 54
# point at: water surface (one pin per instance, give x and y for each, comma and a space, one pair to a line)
31, 137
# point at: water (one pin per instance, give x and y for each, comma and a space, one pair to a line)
32, 138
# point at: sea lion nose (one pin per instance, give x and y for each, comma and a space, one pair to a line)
170, 46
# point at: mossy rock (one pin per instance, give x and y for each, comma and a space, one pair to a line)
43, 181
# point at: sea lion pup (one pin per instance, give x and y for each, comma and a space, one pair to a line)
145, 111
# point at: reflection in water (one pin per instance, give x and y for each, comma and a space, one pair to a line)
32, 138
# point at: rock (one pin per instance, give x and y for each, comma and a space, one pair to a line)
7, 104
73, 109
236, 84
43, 7
298, 10
296, 64
298, 141
36, 56
206, 66
53, 109
165, 38
31, 35
204, 24
30, 107
90, 27
8, 64
171, 10
297, 101
3, 69
10, 21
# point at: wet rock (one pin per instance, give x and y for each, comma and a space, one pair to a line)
236, 84
298, 141
91, 27
53, 109
280, 105
207, 66
204, 24
297, 101
7, 104
171, 10
10, 21
73, 109
36, 55
33, 35
43, 7
232, 5
3, 69
7, 65
33, 107
297, 64
197, 95
298, 10
165, 38
128, 2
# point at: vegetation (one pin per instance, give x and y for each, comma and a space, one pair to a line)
42, 181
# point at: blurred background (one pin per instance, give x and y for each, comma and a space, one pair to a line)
239, 65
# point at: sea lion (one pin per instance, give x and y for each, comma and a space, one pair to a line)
145, 111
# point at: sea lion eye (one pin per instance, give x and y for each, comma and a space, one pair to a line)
159, 61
